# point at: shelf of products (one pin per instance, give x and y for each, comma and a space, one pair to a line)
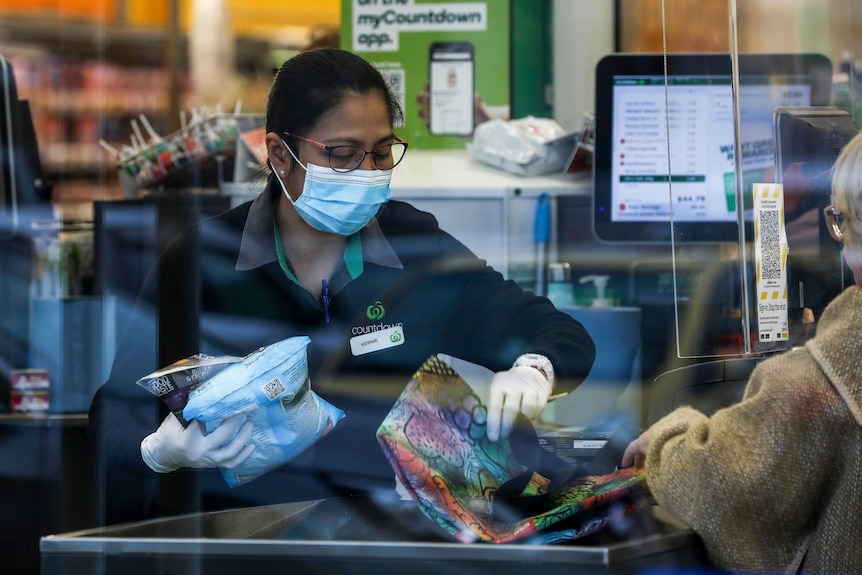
88, 82
75, 103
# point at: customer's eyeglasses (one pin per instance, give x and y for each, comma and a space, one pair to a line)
348, 158
834, 223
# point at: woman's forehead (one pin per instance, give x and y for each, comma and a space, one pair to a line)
358, 116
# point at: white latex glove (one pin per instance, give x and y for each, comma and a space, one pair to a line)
172, 446
521, 389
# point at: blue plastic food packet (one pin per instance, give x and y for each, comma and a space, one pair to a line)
273, 388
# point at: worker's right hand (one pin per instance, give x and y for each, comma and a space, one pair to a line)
172, 446
522, 389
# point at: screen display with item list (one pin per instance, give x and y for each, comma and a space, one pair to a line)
679, 131
665, 163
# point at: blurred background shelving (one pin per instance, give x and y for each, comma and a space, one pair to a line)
89, 68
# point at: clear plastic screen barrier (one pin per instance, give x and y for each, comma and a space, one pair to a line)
736, 160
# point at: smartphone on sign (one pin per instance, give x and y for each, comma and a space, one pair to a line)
451, 88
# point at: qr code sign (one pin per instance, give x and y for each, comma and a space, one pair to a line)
770, 251
394, 78
273, 388
770, 263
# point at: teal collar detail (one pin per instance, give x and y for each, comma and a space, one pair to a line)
352, 256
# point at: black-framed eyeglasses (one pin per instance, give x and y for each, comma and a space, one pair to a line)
834, 222
348, 158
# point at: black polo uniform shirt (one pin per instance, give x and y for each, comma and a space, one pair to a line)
223, 288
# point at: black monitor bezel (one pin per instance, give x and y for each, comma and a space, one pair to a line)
816, 66
25, 192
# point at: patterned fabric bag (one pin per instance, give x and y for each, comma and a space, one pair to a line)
500, 492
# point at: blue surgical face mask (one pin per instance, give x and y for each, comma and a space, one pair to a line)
339, 203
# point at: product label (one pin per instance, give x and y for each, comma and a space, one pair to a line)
589, 443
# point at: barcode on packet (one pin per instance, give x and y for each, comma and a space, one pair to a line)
273, 388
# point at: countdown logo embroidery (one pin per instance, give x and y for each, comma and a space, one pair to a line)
375, 311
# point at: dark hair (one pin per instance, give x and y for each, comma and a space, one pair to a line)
314, 82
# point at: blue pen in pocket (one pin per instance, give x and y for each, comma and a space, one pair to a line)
324, 299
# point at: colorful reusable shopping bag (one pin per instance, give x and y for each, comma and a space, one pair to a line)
504, 491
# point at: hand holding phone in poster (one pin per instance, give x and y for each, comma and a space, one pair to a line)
481, 111
451, 88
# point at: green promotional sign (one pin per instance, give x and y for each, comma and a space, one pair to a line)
447, 61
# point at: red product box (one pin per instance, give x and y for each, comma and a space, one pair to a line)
30, 379
34, 401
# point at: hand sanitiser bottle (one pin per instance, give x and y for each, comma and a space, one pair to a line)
601, 283
560, 290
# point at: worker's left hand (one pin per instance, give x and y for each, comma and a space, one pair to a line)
522, 389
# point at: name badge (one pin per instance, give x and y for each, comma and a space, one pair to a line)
375, 341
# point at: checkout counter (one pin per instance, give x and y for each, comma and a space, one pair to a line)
376, 535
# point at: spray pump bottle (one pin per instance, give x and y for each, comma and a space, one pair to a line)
601, 283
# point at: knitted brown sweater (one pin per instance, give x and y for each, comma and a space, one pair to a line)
774, 483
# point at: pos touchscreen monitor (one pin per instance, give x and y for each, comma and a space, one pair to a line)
664, 149
24, 190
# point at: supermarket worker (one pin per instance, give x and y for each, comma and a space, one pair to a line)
323, 252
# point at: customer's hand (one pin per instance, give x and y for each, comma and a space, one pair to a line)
521, 389
172, 446
635, 453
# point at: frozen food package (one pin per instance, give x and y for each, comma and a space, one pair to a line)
526, 146
273, 388
172, 384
